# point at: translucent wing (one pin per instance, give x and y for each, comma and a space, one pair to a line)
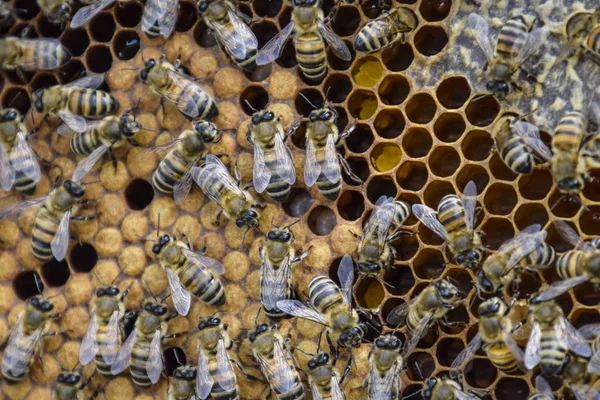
26, 345
182, 187
163, 12
336, 391
60, 242
27, 158
380, 386
31, 49
89, 345
183, 99
542, 386
261, 175
560, 287
383, 200
569, 235
585, 392
108, 348
399, 313
15, 209
271, 51
533, 42
575, 340
462, 395
480, 30
124, 354
231, 40
220, 173
590, 331
429, 218
331, 165
7, 173
278, 368
532, 351
155, 363
346, 277
169, 18
469, 200
511, 244
224, 367
378, 215
286, 170
87, 82
279, 279
204, 380
513, 346
316, 394
418, 333
468, 352
85, 165
242, 30
84, 14
297, 309
338, 46
202, 260
312, 169
594, 363
531, 136
528, 243
182, 299
75, 122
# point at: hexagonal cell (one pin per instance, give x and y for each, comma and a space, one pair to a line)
126, 44
389, 123
129, 14
453, 92
71, 71
500, 170
511, 388
500, 199
530, 284
267, 8
586, 294
398, 57
321, 221
475, 173
530, 213
346, 21
47, 29
406, 247
204, 37
435, 10
102, 27
399, 279
16, 98
258, 98
76, 40
459, 318
536, 185
420, 108
386, 156
430, 40
299, 137
42, 81
417, 142
298, 203
55, 273
98, 58
337, 63
477, 145
394, 89
379, 186
83, 257
360, 139
173, 358
482, 110
27, 284
584, 317
362, 104
337, 86
187, 16
139, 194
435, 191
420, 363
373, 8
497, 231
369, 293
412, 175
444, 161
388, 306
360, 168
591, 191
429, 264
449, 127
26, 9
588, 221
307, 101
367, 71
351, 205
447, 350
563, 206
555, 240
481, 373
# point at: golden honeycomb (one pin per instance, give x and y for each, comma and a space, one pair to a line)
422, 131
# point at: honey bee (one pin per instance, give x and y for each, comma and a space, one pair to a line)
31, 54
516, 43
585, 385
310, 34
324, 378
219, 186
331, 306
582, 31
26, 338
57, 11
159, 18
276, 363
181, 90
75, 101
322, 159
71, 386
87, 12
421, 312
527, 251
385, 366
385, 30
518, 143
445, 388
6, 15
543, 391
231, 30
183, 384
273, 166
188, 273
456, 225
592, 332
18, 165
494, 337
277, 255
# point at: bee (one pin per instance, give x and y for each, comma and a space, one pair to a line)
519, 143
552, 336
183, 383
543, 391
6, 15
456, 225
188, 273
527, 251
159, 18
273, 166
26, 338
181, 90
516, 43
324, 378
31, 54
141, 351
331, 306
277, 255
494, 337
592, 332
322, 165
582, 31
74, 101
576, 266
585, 385
89, 11
385, 30
230, 27
421, 312
276, 363
385, 366
216, 183
18, 164
375, 254
310, 34
58, 12
71, 386
445, 388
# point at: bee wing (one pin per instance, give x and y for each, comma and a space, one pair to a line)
108, 348
584, 392
468, 352
87, 82
379, 215
243, 30
399, 313
271, 51
312, 168
29, 48
75, 122
220, 173
569, 235
183, 100
169, 18
26, 346
231, 40
224, 367
182, 187
560, 287
182, 299
462, 395
89, 345
162, 11
380, 387
261, 174
84, 14
527, 244
282, 377
60, 242
346, 277
513, 346
339, 47
418, 333
531, 136
532, 351
202, 260
279, 282
575, 340
7, 173
336, 391
480, 30
542, 386
286, 171
590, 331
204, 380
298, 309
331, 165
469, 200
512, 244
594, 363
23, 150
155, 363
16, 209
316, 393
429, 218
534, 41
64, 129
85, 165
124, 355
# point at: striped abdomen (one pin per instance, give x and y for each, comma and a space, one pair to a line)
91, 103
552, 352
297, 391
207, 108
84, 143
283, 286
569, 133
247, 63
331, 190
400, 212
209, 183
502, 357
512, 36
101, 337
44, 230
202, 283
451, 213
593, 41
14, 357
517, 156
278, 189
46, 54
370, 39
169, 171
567, 265
225, 386
140, 360
22, 165
590, 387
311, 56
324, 293
543, 255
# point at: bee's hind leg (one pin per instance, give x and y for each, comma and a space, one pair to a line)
243, 371
348, 170
217, 220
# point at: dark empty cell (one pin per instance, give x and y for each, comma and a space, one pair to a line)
394, 90
342, 118
298, 203
399, 279
287, 58
102, 27
435, 191
47, 29
497, 231
42, 81
398, 57
475, 173
412, 175
321, 221
337, 63
591, 190
98, 58
482, 110
285, 16
129, 14
23, 30
500, 199
449, 127
174, 358
307, 101
126, 44
373, 8
461, 279
359, 167
71, 71
537, 185
245, 9
139, 194
429, 264
16, 98
427, 236
299, 137
337, 87
188, 16
511, 388
362, 104
435, 10
458, 318
588, 221
204, 36
27, 284
380, 186
555, 240
529, 214
425, 363
585, 317
267, 8
388, 306
55, 273
346, 21
430, 40
258, 98
389, 123
529, 285
351, 205
264, 31
500, 170
453, 92
26, 9
360, 139
420, 108
563, 206
416, 142
386, 156
481, 373
477, 145
369, 293
76, 40
83, 257
444, 161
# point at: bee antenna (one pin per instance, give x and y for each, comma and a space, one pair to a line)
304, 352
38, 283
165, 298
99, 280
273, 222
177, 358
75, 366
150, 290
150, 130
144, 239
308, 101
419, 371
62, 367
136, 108
115, 278
244, 239
158, 228
19, 94
384, 282
292, 224
414, 394
256, 318
327, 93
250, 105
129, 69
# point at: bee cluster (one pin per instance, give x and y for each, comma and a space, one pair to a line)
424, 199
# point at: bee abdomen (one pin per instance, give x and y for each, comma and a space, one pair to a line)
203, 284
102, 366
139, 362
169, 172
84, 143
49, 55
543, 255
249, 62
92, 103
324, 293
512, 35
517, 156
310, 53
569, 132
567, 265
225, 386
206, 105
14, 358
42, 234
295, 393
502, 357
552, 353
593, 41
368, 41
451, 213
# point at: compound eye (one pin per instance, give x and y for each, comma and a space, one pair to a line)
269, 116
201, 325
271, 236
490, 85
61, 378
11, 115
113, 291
326, 115
148, 307
203, 6
100, 292
286, 236
47, 306
151, 63
256, 120
215, 321
395, 344
240, 222
73, 379
380, 343
311, 365
156, 249
312, 118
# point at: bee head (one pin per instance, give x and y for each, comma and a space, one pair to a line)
469, 258
129, 126
498, 88
108, 291
60, 14
249, 219
318, 360
37, 98
162, 241
446, 289
184, 372
570, 185
149, 65
299, 3
75, 189
70, 378
209, 322
369, 268
484, 283
428, 387
156, 308
39, 302
9, 114
203, 6
323, 114
280, 235
262, 328
352, 338
388, 341
207, 130
490, 307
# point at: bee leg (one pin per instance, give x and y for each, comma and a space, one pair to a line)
332, 348
112, 157
246, 375
217, 220
301, 256
346, 133
333, 12
359, 237
347, 169
348, 368
83, 217
21, 75
170, 317
292, 130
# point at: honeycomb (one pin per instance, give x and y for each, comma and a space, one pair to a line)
422, 131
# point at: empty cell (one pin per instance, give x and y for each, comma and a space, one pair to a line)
267, 8
346, 21
139, 194
342, 118
264, 31
563, 206
307, 101
511, 388
256, 96
477, 145
529, 214
500, 170
461, 278
584, 317
129, 14
389, 123
83, 257
380, 186
362, 104
351, 205
98, 58
337, 63
453, 92
369, 293
386, 156
412, 175
102, 27
406, 247
16, 98
399, 279
449, 127
187, 17
337, 86
420, 108
367, 71
398, 57
435, 10
299, 137
71, 71
360, 139
430, 40
447, 350
500, 199
497, 231
42, 81
126, 44
321, 221
482, 110
76, 40
417, 142
389, 305
555, 240
55, 273
393, 90
47, 29
27, 284
359, 167
530, 285
173, 358
373, 8
298, 202
420, 364
536, 185
205, 38
26, 9
481, 373
435, 191
588, 221
444, 161
591, 191
429, 264
475, 173
460, 317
